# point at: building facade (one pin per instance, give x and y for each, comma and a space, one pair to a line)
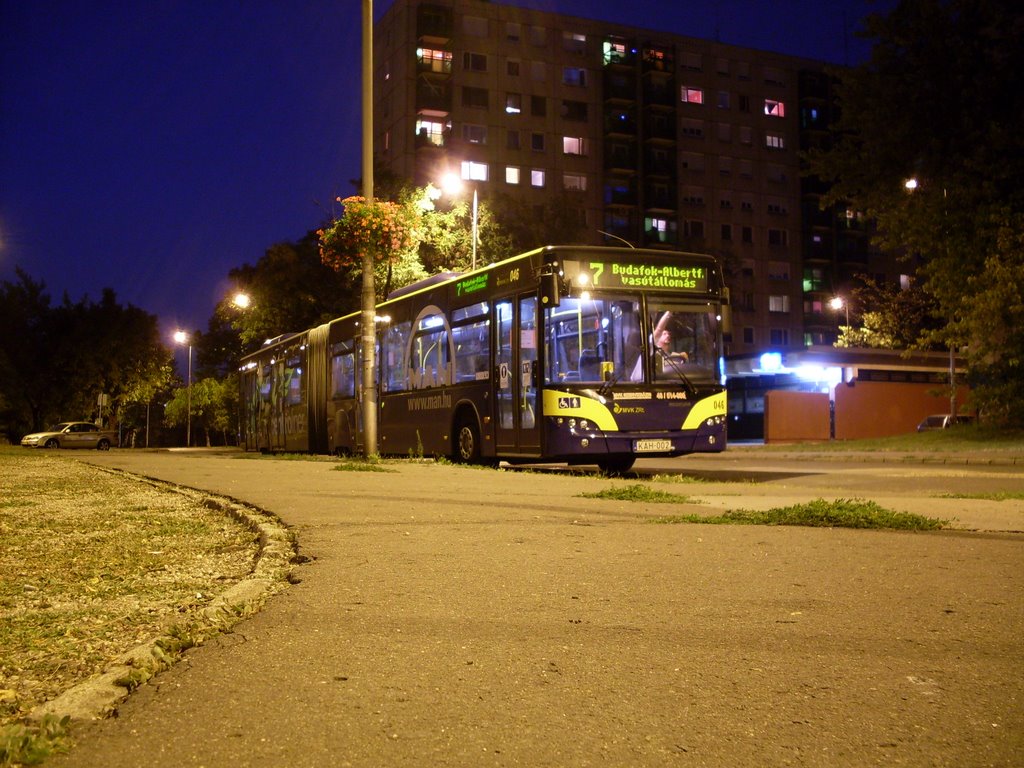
655, 138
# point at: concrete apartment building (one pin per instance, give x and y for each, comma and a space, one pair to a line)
663, 140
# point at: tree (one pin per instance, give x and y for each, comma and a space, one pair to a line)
940, 101
56, 361
214, 407
892, 317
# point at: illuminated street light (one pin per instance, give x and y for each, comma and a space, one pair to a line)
452, 184
838, 303
241, 300
180, 337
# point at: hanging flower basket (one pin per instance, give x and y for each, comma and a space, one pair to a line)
380, 228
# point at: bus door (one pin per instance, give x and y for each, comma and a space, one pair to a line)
518, 427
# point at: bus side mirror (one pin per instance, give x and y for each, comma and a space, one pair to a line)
550, 295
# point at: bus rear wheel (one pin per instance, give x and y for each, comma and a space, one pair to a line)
467, 441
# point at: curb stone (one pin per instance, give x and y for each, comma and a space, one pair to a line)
98, 696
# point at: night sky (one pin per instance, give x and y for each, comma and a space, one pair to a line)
152, 146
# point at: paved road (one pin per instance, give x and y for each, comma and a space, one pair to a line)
467, 617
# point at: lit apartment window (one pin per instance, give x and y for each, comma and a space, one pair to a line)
773, 141
778, 303
774, 108
574, 145
690, 95
537, 177
575, 182
474, 134
434, 60
430, 131
474, 62
614, 51
513, 103
511, 174
473, 171
659, 229
574, 76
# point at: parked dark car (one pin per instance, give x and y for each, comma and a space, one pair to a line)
71, 434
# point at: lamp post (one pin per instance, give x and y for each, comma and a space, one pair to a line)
452, 184
911, 185
241, 300
838, 303
183, 338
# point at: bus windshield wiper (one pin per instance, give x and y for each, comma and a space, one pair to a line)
679, 371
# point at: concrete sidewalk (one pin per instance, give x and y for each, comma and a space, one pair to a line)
455, 616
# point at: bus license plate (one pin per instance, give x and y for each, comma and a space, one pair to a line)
651, 446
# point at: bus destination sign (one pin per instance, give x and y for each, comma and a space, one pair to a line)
659, 277
472, 284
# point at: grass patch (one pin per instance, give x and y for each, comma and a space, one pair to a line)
974, 438
362, 465
31, 744
995, 496
638, 492
92, 565
841, 513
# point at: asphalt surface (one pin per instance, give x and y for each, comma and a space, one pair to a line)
452, 616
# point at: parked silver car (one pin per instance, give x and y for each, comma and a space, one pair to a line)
71, 434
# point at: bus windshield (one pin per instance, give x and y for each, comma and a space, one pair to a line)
603, 339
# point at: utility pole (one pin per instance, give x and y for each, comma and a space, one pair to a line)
369, 301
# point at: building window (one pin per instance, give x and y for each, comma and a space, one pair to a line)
726, 232
778, 303
430, 132
575, 182
474, 134
512, 68
538, 36
574, 110
779, 337
691, 95
691, 62
434, 60
614, 51
537, 142
574, 42
576, 76
513, 103
723, 99
474, 62
512, 140
693, 128
574, 145
694, 228
473, 171
743, 70
746, 169
778, 270
474, 25
537, 177
475, 97
538, 106
773, 141
512, 31
538, 72
746, 135
747, 234
660, 230
748, 335
778, 237
692, 161
725, 132
511, 174
774, 108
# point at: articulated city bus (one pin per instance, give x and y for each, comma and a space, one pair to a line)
576, 354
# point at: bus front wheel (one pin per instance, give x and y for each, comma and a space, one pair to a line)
616, 465
467, 441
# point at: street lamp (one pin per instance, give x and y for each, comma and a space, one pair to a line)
241, 300
452, 184
911, 185
838, 303
181, 337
